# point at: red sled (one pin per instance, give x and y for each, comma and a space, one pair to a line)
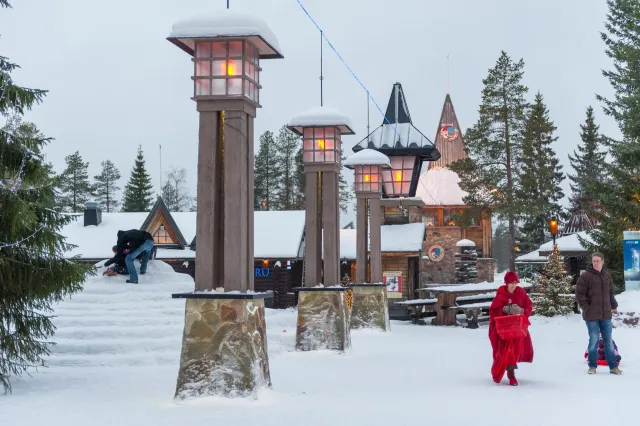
600, 361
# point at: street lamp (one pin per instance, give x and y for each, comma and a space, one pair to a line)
553, 228
369, 165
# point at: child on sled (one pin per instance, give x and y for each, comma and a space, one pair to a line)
601, 357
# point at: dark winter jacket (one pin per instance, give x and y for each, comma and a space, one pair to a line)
594, 294
134, 237
118, 257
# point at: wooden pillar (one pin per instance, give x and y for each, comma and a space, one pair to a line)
331, 228
313, 231
376, 240
224, 221
361, 240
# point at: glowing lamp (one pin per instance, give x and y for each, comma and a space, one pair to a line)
398, 180
226, 57
553, 226
369, 165
321, 129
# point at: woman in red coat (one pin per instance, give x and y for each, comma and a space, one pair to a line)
510, 300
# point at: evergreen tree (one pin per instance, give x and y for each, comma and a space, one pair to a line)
33, 271
346, 192
501, 249
617, 194
266, 173
138, 193
301, 182
75, 186
106, 186
287, 144
540, 177
175, 193
588, 165
494, 144
554, 288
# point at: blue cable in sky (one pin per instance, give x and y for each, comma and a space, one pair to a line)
347, 66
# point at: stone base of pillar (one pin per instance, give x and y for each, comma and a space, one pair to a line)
323, 319
370, 307
224, 345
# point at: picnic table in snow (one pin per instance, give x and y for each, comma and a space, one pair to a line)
448, 296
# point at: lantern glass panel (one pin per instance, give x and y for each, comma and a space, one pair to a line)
308, 144
219, 68
307, 157
308, 132
235, 49
203, 87
219, 49
235, 86
203, 50
219, 86
318, 132
203, 69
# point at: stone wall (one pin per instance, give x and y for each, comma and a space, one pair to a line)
486, 268
442, 272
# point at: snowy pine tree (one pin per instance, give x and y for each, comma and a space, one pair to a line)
106, 186
540, 177
300, 182
346, 191
287, 144
33, 271
494, 144
138, 193
554, 288
618, 193
74, 184
266, 173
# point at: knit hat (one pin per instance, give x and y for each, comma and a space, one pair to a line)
511, 277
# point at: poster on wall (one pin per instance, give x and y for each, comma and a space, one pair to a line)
631, 255
393, 280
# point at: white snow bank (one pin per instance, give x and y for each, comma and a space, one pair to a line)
629, 301
440, 186
227, 23
322, 116
367, 157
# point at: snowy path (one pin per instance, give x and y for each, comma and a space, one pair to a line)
117, 360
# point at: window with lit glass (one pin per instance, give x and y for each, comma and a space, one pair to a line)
430, 218
227, 68
161, 236
367, 179
397, 181
321, 145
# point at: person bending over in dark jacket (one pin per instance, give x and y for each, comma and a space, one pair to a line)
595, 296
140, 242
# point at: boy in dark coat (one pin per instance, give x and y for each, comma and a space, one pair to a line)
140, 242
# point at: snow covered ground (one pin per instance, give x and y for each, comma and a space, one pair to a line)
118, 350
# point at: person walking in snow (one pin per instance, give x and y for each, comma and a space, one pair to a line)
140, 242
596, 298
507, 353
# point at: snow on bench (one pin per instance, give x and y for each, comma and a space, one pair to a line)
417, 302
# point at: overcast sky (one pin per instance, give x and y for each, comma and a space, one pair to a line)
115, 82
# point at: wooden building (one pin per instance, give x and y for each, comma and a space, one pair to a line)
446, 216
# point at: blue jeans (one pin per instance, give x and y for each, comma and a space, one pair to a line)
146, 248
604, 327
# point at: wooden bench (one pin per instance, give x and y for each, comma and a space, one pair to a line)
419, 308
472, 312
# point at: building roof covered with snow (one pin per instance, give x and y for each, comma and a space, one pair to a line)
569, 245
406, 238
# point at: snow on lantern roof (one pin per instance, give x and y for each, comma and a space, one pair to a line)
397, 135
465, 243
367, 157
321, 116
226, 23
440, 187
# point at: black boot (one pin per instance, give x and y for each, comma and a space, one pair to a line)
132, 281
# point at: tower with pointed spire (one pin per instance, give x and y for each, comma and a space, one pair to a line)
447, 218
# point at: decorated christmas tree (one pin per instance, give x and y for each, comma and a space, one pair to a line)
554, 288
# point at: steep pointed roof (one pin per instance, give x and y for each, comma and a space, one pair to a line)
398, 136
449, 139
160, 209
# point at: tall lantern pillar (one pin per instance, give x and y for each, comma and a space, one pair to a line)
321, 129
226, 50
370, 307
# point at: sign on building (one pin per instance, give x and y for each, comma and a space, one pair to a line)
393, 280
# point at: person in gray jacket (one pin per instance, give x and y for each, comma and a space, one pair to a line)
596, 298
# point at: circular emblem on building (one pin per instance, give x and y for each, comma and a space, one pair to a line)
448, 132
435, 253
